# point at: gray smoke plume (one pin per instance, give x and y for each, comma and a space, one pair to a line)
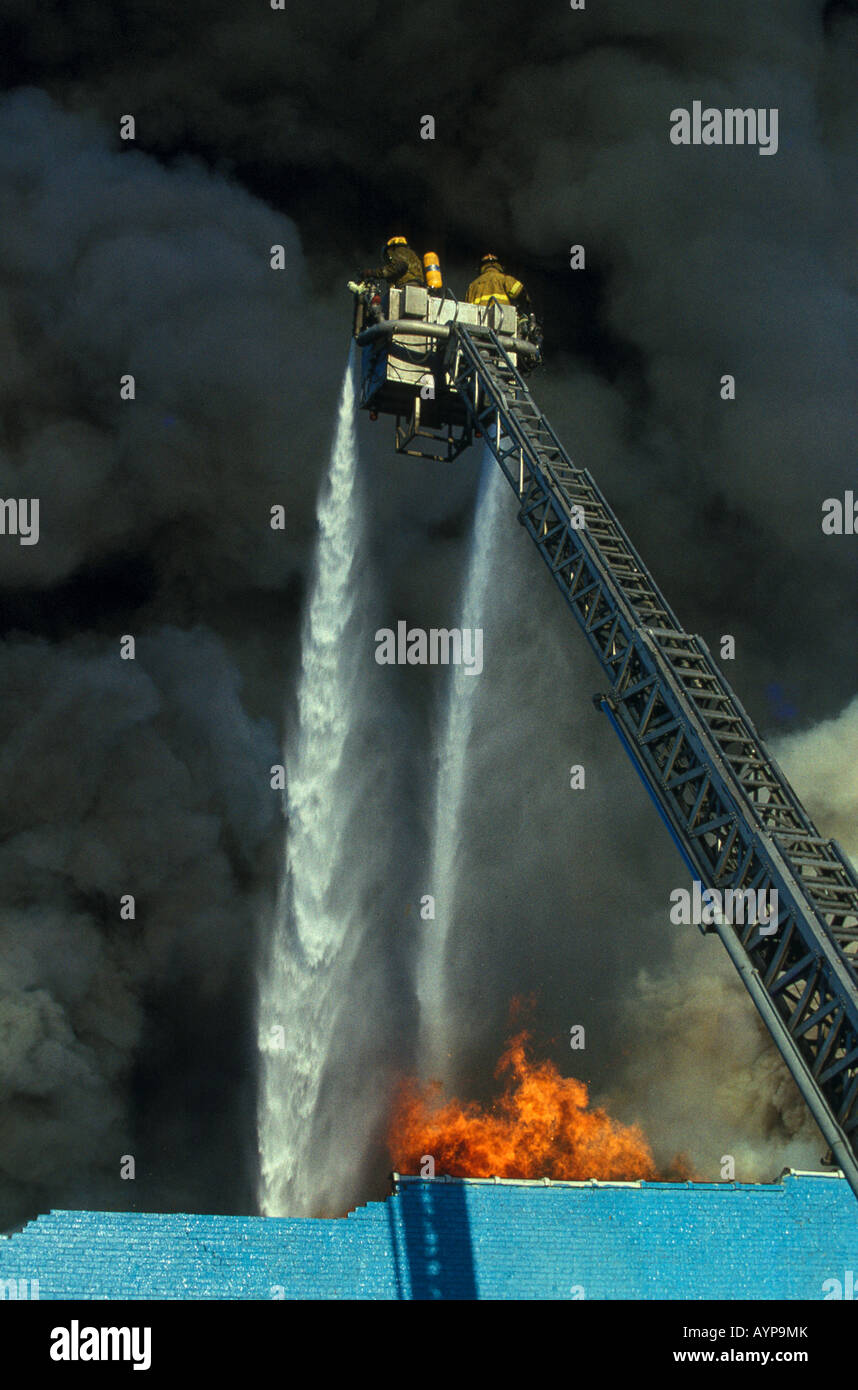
551, 130
136, 778
114, 265
823, 763
703, 1075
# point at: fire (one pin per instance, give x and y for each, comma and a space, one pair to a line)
541, 1126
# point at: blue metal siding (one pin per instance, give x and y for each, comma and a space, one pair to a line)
466, 1240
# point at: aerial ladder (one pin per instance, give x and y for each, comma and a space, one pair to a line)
450, 372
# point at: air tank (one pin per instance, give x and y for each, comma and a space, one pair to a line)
432, 271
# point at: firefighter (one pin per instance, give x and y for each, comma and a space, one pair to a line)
400, 265
493, 283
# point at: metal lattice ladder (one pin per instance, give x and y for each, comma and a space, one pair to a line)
733, 816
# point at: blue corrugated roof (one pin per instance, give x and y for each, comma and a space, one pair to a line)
461, 1238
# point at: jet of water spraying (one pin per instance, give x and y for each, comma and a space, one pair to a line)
451, 783
309, 950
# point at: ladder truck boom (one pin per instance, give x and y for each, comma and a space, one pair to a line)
731, 812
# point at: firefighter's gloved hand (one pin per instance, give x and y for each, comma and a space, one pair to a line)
358, 286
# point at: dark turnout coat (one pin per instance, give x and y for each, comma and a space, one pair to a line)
401, 266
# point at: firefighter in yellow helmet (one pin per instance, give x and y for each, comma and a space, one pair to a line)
493, 283
400, 265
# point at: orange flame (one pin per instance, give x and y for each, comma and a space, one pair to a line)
540, 1127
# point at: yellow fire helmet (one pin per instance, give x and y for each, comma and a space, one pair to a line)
397, 241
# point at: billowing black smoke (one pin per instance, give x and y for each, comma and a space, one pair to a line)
301, 127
